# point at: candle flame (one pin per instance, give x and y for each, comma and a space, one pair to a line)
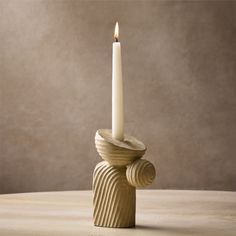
116, 32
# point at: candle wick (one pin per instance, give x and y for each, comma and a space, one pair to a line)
116, 39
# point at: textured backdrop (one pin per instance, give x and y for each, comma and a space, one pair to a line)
55, 90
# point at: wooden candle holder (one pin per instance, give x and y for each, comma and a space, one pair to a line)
115, 179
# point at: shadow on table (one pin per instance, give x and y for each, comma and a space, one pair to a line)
166, 229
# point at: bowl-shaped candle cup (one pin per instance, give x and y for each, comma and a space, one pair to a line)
118, 153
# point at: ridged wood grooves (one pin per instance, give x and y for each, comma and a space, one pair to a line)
118, 153
115, 179
140, 173
114, 198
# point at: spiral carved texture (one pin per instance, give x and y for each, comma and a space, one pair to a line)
118, 153
140, 173
114, 198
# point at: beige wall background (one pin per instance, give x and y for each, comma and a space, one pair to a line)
55, 79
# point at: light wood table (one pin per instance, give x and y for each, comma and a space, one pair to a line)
159, 212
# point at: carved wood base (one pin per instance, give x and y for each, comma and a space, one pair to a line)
114, 198
115, 179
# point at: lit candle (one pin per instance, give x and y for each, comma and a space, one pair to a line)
117, 89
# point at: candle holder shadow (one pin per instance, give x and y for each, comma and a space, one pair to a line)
115, 179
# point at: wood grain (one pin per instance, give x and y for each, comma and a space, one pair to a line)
140, 173
118, 153
114, 184
159, 212
114, 198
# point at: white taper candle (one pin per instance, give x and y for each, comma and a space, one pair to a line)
117, 89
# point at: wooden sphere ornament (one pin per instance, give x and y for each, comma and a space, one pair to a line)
140, 173
115, 179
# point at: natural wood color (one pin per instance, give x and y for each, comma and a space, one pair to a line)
114, 183
114, 198
118, 153
140, 173
159, 213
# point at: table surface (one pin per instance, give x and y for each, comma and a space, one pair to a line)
159, 212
